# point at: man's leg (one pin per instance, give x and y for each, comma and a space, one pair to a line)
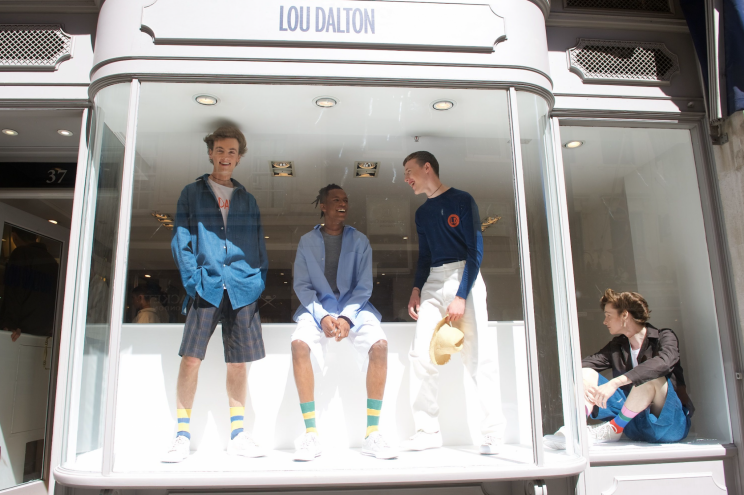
651, 394
307, 446
188, 375
237, 386
376, 377
480, 357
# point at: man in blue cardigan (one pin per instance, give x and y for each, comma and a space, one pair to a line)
218, 245
333, 281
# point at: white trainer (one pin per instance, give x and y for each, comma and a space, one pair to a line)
179, 450
556, 441
376, 446
243, 444
422, 440
604, 433
491, 445
307, 447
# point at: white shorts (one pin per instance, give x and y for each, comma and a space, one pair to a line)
361, 340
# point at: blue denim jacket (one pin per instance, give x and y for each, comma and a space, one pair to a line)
354, 279
208, 255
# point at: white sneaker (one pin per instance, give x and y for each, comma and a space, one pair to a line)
491, 445
179, 450
376, 446
307, 447
243, 444
422, 440
556, 441
604, 433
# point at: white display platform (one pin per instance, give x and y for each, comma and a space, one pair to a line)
146, 421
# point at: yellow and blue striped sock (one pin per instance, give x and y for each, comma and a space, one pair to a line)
236, 420
308, 414
184, 423
373, 415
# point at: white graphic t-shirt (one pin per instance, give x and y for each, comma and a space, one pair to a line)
223, 194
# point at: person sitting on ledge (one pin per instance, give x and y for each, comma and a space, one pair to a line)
647, 397
333, 281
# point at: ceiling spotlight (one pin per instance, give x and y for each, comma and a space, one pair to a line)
10, 132
405, 238
266, 237
443, 104
53, 221
573, 144
325, 101
206, 100
64, 132
366, 169
147, 276
282, 168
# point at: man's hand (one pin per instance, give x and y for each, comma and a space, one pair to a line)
414, 303
342, 330
589, 391
329, 324
456, 309
604, 392
14, 336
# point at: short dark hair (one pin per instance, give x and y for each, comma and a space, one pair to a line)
421, 158
25, 235
227, 132
323, 194
632, 302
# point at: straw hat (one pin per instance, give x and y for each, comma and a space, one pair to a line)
446, 340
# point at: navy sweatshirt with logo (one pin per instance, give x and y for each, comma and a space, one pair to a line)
448, 229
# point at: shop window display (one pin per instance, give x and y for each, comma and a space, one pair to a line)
637, 226
294, 148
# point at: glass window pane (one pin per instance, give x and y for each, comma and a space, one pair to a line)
294, 148
84, 437
637, 225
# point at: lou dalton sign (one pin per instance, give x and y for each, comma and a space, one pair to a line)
337, 24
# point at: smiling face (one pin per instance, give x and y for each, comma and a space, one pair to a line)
417, 176
613, 319
335, 207
225, 156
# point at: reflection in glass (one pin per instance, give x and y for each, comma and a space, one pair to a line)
84, 438
637, 225
29, 271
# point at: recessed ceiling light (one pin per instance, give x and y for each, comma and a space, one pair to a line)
281, 274
282, 168
206, 100
64, 132
53, 221
10, 132
443, 104
573, 144
405, 238
147, 276
266, 237
325, 101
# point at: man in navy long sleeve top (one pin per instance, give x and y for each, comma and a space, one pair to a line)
448, 283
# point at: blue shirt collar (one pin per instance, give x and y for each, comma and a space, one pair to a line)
237, 184
346, 227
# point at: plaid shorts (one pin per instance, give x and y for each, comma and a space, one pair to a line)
241, 330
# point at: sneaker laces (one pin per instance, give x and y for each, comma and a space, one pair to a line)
379, 441
244, 439
307, 441
605, 431
491, 440
178, 442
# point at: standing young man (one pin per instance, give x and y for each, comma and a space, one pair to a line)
448, 283
218, 245
333, 281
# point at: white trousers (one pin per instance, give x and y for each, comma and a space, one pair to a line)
479, 352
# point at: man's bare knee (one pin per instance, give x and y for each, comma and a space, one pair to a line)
300, 349
379, 350
191, 362
236, 367
589, 375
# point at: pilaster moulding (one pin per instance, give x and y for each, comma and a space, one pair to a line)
543, 5
44, 104
620, 22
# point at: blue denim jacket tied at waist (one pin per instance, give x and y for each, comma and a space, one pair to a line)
354, 279
208, 254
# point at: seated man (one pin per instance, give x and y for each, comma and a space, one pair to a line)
142, 295
646, 398
333, 281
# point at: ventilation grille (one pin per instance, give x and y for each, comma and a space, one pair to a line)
661, 6
606, 61
33, 47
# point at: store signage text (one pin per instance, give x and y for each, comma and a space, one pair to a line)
349, 24
347, 20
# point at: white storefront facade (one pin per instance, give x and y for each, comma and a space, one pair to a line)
580, 130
